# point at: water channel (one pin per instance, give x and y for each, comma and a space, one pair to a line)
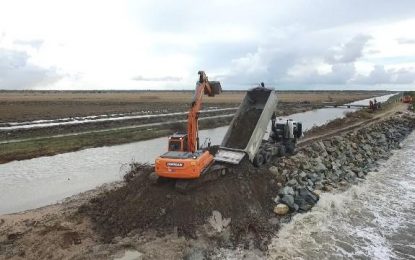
37, 182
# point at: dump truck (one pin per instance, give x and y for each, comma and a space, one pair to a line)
249, 125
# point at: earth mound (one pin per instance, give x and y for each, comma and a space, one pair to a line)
244, 194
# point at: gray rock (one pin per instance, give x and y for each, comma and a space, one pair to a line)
289, 201
286, 191
195, 254
320, 167
273, 170
318, 185
303, 175
292, 183
350, 176
305, 199
314, 177
277, 199
305, 166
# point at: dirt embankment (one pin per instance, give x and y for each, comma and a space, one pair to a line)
242, 195
235, 210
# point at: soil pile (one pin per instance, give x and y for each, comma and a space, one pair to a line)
244, 194
242, 129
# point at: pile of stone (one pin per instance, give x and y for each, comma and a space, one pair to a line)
334, 162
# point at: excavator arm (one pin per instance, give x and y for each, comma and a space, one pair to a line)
203, 87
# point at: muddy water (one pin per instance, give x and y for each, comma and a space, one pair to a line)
41, 181
373, 220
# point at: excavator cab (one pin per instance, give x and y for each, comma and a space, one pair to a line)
178, 142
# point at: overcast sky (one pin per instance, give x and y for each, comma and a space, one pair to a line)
293, 44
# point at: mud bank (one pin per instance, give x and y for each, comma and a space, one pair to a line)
237, 210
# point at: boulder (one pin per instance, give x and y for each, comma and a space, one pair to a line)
318, 192
313, 177
277, 199
195, 254
286, 191
303, 175
281, 209
318, 185
320, 167
292, 183
217, 222
273, 170
289, 201
308, 196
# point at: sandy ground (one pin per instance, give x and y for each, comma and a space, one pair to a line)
55, 232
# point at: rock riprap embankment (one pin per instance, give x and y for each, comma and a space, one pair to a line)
337, 161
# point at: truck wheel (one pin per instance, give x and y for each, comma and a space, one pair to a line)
281, 151
258, 160
290, 148
267, 157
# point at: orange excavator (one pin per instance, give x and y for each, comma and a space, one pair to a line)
184, 158
407, 99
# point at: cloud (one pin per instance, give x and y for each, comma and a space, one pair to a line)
379, 75
405, 76
293, 56
36, 44
17, 73
406, 41
349, 52
165, 78
240, 43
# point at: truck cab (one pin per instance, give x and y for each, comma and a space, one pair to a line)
285, 133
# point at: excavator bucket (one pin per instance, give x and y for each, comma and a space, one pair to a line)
216, 88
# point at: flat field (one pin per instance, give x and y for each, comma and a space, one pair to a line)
35, 105
64, 133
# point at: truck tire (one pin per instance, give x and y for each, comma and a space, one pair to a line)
290, 148
267, 157
258, 160
299, 132
281, 151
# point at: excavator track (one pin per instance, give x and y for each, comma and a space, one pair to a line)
211, 173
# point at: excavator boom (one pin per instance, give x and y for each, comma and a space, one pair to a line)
203, 87
184, 160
